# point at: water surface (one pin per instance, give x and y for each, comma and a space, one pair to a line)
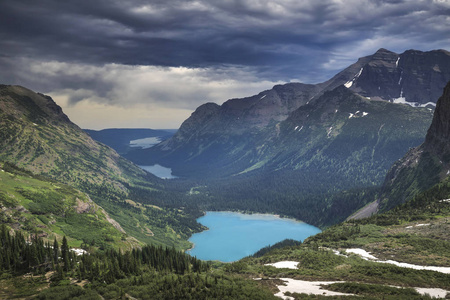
232, 236
160, 171
145, 143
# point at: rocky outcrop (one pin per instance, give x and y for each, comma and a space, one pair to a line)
424, 166
438, 136
414, 76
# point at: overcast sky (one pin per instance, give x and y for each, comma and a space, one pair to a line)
149, 64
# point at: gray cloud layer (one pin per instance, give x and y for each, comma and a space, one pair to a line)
277, 37
244, 41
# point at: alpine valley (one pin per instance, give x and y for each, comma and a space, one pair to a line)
364, 156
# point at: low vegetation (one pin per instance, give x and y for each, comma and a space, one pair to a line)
30, 265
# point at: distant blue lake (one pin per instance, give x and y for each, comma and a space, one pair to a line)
232, 236
160, 171
145, 143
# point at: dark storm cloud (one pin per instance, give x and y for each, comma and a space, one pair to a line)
276, 37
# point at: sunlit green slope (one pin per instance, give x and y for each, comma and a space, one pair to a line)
37, 136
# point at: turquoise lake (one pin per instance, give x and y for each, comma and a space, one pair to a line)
232, 236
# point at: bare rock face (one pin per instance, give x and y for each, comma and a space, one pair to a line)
84, 207
423, 166
413, 76
379, 77
438, 136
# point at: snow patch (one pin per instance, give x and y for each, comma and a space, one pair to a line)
361, 252
418, 225
355, 114
295, 128
349, 83
433, 292
402, 100
339, 253
366, 255
329, 131
35, 124
396, 63
78, 251
285, 265
262, 97
445, 270
336, 111
316, 288
307, 287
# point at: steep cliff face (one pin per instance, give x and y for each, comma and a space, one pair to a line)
424, 166
379, 78
438, 136
414, 77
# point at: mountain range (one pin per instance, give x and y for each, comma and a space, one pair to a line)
218, 134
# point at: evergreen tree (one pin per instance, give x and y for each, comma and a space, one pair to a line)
65, 254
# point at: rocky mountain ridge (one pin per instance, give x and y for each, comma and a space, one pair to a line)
413, 77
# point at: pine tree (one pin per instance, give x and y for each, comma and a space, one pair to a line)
55, 251
65, 254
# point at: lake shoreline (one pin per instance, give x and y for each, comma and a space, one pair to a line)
244, 213
233, 235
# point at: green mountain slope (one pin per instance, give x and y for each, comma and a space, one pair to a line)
36, 135
36, 205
